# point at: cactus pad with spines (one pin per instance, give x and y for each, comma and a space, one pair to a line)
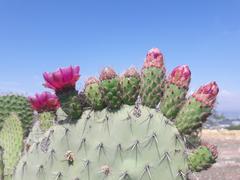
112, 145
16, 104
11, 140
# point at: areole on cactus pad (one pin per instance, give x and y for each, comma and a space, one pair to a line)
128, 127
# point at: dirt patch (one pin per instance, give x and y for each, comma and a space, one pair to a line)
228, 162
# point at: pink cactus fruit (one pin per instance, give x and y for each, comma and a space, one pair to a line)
107, 73
207, 94
180, 76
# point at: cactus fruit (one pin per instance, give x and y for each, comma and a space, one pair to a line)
153, 76
63, 81
16, 104
46, 104
175, 91
197, 108
108, 145
11, 140
202, 158
93, 93
110, 88
130, 82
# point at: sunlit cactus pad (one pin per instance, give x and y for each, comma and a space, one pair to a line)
108, 145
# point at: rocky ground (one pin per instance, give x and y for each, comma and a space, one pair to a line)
228, 162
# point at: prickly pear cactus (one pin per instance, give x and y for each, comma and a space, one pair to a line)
11, 140
133, 130
16, 104
108, 145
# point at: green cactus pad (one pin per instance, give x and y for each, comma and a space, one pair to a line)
111, 93
173, 99
200, 159
11, 139
70, 103
152, 86
19, 105
130, 89
108, 145
46, 120
94, 96
191, 116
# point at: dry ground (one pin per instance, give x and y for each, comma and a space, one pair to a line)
228, 162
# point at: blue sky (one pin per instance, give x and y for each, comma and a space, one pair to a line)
38, 36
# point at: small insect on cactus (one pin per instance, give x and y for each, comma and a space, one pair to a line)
120, 138
46, 104
63, 82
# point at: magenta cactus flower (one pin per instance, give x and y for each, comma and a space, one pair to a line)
62, 78
107, 73
45, 101
207, 94
181, 76
154, 58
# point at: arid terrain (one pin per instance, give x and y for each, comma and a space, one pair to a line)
228, 162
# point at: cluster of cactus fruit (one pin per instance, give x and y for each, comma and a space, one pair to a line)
127, 127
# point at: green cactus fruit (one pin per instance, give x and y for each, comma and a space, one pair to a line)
46, 120
130, 82
108, 145
152, 78
197, 108
200, 159
191, 116
93, 93
110, 88
70, 103
175, 91
19, 105
11, 139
